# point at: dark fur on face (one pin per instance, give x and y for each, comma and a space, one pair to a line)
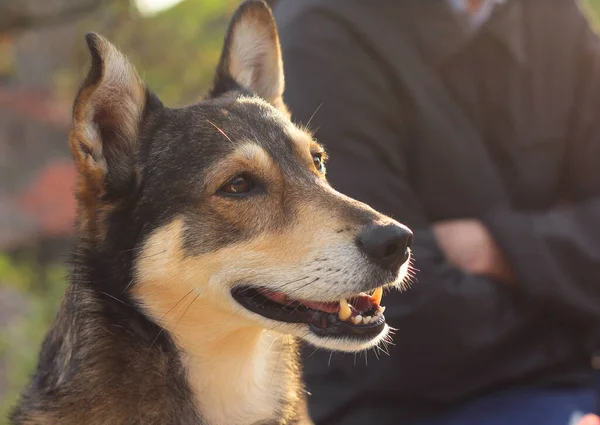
148, 332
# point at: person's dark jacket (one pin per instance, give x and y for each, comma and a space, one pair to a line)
425, 124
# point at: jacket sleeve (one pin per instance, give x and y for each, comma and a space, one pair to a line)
338, 84
556, 253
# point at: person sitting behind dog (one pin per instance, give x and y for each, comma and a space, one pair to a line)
476, 123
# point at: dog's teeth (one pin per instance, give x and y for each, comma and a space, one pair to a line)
381, 310
367, 320
357, 319
345, 312
377, 295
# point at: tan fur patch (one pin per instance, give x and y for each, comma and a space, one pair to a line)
248, 156
255, 153
239, 371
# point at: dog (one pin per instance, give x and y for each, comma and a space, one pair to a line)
207, 242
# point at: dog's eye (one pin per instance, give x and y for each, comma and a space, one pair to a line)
238, 185
318, 161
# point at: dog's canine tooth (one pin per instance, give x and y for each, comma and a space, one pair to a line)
377, 295
381, 310
344, 313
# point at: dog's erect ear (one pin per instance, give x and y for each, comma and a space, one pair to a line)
251, 56
106, 120
104, 138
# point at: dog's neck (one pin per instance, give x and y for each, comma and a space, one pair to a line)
239, 374
214, 369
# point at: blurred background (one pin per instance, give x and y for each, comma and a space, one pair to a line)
42, 61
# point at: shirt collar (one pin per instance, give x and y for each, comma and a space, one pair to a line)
507, 26
442, 34
474, 20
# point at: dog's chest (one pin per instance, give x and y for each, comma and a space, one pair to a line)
250, 388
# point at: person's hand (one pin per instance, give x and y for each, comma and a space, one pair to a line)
589, 420
469, 246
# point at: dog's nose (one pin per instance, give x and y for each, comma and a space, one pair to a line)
386, 245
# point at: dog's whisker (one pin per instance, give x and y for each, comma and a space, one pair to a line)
283, 285
271, 345
177, 303
384, 348
278, 287
292, 301
127, 286
276, 368
162, 329
220, 130
187, 308
313, 352
274, 328
130, 250
303, 286
114, 298
313, 115
235, 313
376, 352
144, 257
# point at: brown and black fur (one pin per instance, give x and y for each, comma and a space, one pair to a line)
143, 321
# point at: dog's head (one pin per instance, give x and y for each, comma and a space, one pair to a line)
221, 209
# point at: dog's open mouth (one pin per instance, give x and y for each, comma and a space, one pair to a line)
360, 316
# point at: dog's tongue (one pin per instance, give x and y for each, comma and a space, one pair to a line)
361, 302
278, 297
326, 307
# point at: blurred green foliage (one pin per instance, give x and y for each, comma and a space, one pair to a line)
176, 52
593, 7
41, 289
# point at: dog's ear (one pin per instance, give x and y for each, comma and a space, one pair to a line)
106, 119
251, 56
104, 137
